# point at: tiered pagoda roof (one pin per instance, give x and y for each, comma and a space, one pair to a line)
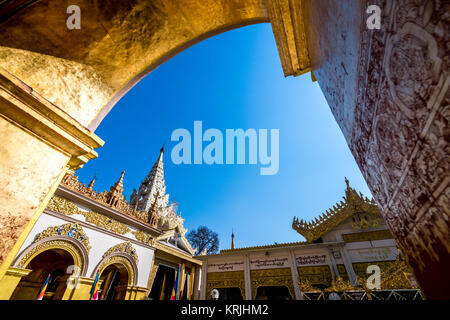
353, 203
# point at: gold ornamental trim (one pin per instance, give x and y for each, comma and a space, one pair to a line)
144, 237
67, 207
125, 248
229, 279
110, 199
122, 261
50, 245
72, 230
272, 277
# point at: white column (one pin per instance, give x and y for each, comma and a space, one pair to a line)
349, 267
248, 280
204, 272
334, 269
197, 282
293, 264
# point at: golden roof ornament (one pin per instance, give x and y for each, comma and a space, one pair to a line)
115, 196
91, 184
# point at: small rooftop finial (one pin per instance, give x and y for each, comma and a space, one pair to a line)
347, 183
232, 239
91, 184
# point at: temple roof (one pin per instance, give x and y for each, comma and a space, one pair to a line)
353, 203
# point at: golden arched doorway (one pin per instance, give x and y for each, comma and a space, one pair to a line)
53, 262
114, 280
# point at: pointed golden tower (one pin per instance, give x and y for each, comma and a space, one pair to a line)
115, 193
91, 184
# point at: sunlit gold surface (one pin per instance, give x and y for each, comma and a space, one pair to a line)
85, 71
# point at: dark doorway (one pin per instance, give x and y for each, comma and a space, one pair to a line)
230, 294
163, 283
273, 293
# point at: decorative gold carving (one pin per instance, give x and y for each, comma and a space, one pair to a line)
111, 199
340, 285
353, 204
272, 277
393, 274
342, 271
73, 230
124, 247
64, 206
49, 245
144, 237
367, 236
306, 286
316, 275
229, 279
106, 222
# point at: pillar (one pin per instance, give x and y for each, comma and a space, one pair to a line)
349, 267
39, 143
10, 281
247, 278
293, 264
196, 287
204, 278
333, 267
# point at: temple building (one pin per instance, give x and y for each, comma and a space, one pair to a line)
340, 246
137, 248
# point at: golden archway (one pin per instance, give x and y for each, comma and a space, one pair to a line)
65, 243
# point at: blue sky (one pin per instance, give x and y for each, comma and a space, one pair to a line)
233, 80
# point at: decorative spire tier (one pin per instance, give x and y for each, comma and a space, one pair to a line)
152, 185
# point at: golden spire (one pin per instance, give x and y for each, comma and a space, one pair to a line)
115, 193
91, 184
232, 240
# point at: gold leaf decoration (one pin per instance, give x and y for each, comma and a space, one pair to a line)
73, 230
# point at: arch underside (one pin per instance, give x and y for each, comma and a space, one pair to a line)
86, 71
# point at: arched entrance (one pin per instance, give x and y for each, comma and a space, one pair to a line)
114, 280
53, 262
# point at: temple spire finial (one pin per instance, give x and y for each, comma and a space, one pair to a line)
232, 239
91, 184
115, 192
347, 183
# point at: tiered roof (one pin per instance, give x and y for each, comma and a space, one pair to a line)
353, 203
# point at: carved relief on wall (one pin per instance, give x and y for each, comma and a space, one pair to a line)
400, 137
272, 277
